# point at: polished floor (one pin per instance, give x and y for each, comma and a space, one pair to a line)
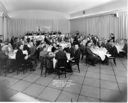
93, 84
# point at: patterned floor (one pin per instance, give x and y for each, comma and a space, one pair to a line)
93, 84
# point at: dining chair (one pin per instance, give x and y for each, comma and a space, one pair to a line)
61, 67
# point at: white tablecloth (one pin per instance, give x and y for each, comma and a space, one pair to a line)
64, 45
25, 52
49, 49
101, 52
119, 48
13, 55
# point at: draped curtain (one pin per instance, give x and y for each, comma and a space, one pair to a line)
102, 25
19, 27
3, 26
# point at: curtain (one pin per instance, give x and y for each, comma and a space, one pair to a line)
3, 26
19, 27
102, 25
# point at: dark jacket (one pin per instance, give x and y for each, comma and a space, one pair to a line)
77, 55
70, 50
53, 49
27, 48
3, 58
91, 56
60, 55
61, 58
47, 41
113, 51
20, 56
125, 48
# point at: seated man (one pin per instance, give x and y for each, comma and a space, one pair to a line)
32, 55
91, 57
20, 57
60, 55
70, 49
62, 60
77, 54
82, 49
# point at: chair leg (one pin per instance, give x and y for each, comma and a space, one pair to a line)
41, 71
114, 60
17, 71
78, 68
58, 73
82, 57
65, 73
86, 61
5, 71
23, 68
59, 76
45, 71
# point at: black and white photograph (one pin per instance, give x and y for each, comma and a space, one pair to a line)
63, 51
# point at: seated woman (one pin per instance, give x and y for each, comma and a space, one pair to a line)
91, 57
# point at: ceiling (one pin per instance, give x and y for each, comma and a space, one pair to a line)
64, 6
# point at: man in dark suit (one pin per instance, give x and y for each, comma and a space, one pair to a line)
60, 55
20, 57
77, 54
70, 49
62, 60
91, 57
76, 41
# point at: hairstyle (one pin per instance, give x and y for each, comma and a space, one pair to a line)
88, 42
18, 47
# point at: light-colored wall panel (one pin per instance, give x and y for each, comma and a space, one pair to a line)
103, 24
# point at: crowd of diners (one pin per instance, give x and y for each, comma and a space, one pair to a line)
54, 51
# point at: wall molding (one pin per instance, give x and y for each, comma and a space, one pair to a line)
114, 11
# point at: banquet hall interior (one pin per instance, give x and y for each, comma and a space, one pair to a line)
63, 50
